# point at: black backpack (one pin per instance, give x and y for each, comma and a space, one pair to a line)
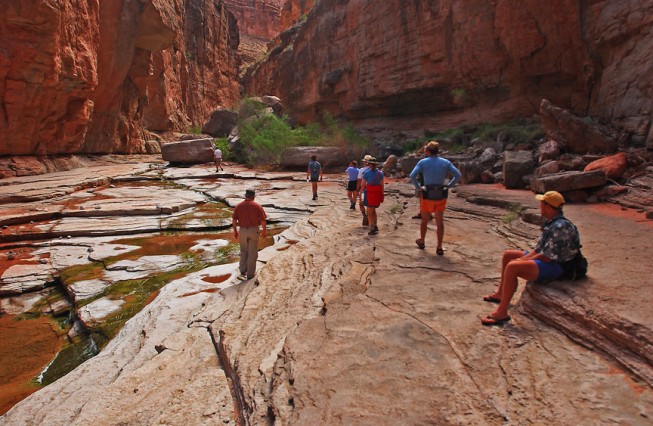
576, 268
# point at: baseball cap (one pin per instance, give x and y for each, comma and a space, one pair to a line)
249, 193
552, 198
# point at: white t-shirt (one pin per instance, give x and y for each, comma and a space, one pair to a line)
362, 170
217, 153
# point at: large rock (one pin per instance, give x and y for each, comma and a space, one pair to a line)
573, 133
614, 166
568, 181
196, 151
221, 123
516, 165
297, 158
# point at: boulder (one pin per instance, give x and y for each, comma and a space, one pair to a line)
297, 158
548, 168
390, 164
516, 165
614, 166
568, 181
197, 151
573, 133
549, 150
221, 123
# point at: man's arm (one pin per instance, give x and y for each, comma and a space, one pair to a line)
234, 224
264, 233
320, 173
456, 174
413, 176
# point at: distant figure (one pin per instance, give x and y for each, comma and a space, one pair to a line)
362, 170
352, 183
558, 243
372, 188
249, 216
433, 194
314, 173
217, 159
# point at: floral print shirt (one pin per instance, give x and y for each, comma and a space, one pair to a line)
559, 240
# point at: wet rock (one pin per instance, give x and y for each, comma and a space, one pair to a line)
87, 289
142, 267
94, 314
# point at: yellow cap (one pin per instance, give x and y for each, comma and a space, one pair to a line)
552, 198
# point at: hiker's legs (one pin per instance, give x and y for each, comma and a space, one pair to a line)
371, 217
423, 226
508, 256
526, 269
314, 186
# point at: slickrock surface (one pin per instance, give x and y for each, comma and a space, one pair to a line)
344, 328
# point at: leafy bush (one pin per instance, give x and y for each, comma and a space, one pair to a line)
265, 136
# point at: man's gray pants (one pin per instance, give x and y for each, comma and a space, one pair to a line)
248, 239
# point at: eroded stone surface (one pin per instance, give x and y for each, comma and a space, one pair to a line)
339, 326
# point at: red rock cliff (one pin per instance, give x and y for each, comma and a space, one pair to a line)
88, 76
257, 18
411, 66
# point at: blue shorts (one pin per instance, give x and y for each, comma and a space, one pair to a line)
548, 271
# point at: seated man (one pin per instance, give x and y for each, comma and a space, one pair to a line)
558, 243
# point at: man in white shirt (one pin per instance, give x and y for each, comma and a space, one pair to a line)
217, 159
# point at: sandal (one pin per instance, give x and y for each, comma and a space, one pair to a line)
491, 299
439, 252
420, 244
490, 320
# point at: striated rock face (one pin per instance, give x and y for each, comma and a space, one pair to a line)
424, 65
257, 18
294, 10
89, 76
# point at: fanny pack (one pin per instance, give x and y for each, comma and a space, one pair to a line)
435, 192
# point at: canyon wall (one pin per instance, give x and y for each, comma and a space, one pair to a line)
257, 18
406, 67
89, 76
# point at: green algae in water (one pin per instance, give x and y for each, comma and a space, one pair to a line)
70, 357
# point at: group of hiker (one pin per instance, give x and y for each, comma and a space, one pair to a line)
556, 253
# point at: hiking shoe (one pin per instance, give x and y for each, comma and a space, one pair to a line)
417, 216
352, 206
314, 197
373, 231
365, 221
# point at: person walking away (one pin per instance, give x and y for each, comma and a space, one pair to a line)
314, 173
217, 159
352, 184
372, 188
247, 218
558, 244
362, 170
433, 194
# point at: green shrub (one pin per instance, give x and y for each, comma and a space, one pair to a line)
265, 136
223, 144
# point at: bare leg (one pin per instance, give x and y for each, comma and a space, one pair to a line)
371, 217
514, 269
314, 186
423, 226
439, 221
